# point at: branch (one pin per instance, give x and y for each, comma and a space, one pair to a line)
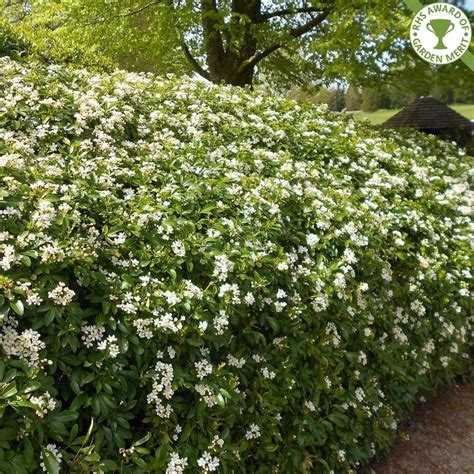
193, 62
124, 15
288, 11
294, 33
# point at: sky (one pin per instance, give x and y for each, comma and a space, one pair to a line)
469, 4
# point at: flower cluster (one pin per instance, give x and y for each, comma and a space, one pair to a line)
61, 295
26, 344
45, 404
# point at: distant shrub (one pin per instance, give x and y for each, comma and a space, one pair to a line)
201, 278
12, 44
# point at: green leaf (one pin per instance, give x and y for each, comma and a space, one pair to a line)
65, 416
25, 403
89, 432
78, 402
18, 307
50, 462
220, 400
8, 434
29, 454
8, 391
142, 440
108, 465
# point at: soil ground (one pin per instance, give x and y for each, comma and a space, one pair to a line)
438, 439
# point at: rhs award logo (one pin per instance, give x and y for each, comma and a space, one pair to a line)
440, 33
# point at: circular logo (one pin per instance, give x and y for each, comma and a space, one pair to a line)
440, 33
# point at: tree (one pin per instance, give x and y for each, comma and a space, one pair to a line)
229, 41
338, 98
324, 96
370, 99
353, 98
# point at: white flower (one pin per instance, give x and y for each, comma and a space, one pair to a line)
176, 464
387, 274
178, 248
232, 289
162, 389
33, 298
45, 404
8, 257
268, 374
208, 463
92, 334
362, 358
309, 405
167, 322
61, 295
249, 299
192, 291
253, 432
203, 368
206, 394
110, 346
280, 306
360, 394
349, 256
144, 327
216, 443
222, 267
119, 239
340, 281
281, 294
171, 297
234, 362
312, 240
25, 345
221, 322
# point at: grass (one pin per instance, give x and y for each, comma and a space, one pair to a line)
381, 115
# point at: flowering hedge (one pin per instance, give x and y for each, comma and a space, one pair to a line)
199, 278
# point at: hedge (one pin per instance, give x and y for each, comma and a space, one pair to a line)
199, 278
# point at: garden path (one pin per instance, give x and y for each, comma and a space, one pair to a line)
440, 437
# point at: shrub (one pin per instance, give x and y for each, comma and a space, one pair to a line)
12, 43
201, 277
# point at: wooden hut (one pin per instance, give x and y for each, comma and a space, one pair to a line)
429, 115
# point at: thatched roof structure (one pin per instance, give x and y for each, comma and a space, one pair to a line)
428, 114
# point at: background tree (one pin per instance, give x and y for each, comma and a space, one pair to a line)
324, 96
352, 98
281, 43
370, 99
232, 41
338, 98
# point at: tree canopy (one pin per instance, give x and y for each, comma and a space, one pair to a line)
241, 42
237, 42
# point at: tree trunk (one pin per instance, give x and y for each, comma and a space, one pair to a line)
227, 63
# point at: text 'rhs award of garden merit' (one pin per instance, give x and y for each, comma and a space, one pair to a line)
440, 33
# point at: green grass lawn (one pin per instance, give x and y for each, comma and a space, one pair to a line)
381, 115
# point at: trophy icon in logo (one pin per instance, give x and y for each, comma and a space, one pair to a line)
440, 27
